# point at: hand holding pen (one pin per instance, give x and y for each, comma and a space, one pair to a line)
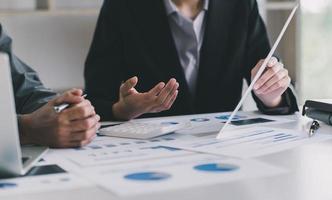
60, 108
73, 122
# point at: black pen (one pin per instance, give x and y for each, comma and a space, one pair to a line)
60, 108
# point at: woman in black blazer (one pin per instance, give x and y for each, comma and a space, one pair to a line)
203, 48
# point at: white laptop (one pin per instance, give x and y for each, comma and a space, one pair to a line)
14, 160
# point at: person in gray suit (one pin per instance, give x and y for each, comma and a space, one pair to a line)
38, 122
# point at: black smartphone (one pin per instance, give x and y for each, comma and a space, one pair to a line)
251, 121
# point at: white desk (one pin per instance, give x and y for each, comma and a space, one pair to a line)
309, 177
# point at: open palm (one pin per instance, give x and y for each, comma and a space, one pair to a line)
132, 103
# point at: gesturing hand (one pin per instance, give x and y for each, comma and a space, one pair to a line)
132, 103
272, 84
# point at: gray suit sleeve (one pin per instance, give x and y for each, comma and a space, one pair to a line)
30, 94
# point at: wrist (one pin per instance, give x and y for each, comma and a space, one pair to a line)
272, 103
120, 112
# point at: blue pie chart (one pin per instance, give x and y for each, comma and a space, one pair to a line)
147, 176
216, 167
200, 120
226, 117
7, 185
169, 123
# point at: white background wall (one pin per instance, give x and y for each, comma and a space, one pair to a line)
17, 4
55, 42
56, 46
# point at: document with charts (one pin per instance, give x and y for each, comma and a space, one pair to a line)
195, 170
37, 184
250, 142
110, 150
212, 123
50, 181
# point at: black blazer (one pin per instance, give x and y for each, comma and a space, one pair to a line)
133, 38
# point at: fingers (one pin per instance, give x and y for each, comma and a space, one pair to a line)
85, 124
256, 68
167, 91
128, 85
167, 104
76, 139
75, 126
171, 101
85, 135
75, 144
269, 73
275, 79
157, 89
73, 96
160, 97
79, 111
272, 62
281, 85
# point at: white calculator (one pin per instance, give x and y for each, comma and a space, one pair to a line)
140, 130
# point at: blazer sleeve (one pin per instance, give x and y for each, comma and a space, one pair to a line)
105, 61
30, 94
258, 48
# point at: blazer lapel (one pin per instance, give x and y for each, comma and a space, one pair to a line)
152, 22
215, 44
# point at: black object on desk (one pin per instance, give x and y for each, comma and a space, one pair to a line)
317, 110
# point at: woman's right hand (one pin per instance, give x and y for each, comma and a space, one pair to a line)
133, 104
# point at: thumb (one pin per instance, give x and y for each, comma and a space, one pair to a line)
73, 96
272, 62
128, 85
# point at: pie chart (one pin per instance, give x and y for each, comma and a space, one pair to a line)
216, 167
226, 117
147, 176
169, 123
200, 120
7, 185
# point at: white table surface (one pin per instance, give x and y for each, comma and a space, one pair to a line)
309, 177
